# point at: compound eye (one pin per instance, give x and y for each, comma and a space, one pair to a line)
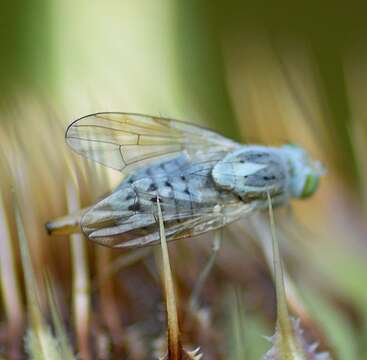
310, 186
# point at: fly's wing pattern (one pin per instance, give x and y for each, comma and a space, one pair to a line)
171, 159
128, 217
125, 141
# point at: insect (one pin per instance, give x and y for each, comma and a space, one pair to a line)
204, 180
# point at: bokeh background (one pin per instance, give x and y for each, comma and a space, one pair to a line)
266, 72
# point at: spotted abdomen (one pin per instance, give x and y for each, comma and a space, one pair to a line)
191, 203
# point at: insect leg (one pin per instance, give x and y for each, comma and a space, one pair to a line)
194, 301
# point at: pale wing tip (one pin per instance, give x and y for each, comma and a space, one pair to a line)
122, 242
98, 148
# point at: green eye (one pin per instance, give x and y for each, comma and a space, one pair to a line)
311, 183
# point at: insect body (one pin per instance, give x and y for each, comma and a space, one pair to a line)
204, 181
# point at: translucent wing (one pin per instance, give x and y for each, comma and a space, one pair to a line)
128, 217
123, 140
191, 204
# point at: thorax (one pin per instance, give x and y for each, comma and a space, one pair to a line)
252, 171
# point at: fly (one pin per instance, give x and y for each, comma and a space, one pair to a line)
204, 181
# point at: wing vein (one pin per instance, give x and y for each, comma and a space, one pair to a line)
139, 138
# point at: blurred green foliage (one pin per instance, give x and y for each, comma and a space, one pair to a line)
26, 37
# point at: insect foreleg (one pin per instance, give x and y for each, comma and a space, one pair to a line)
194, 301
276, 200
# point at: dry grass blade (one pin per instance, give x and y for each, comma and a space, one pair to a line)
81, 282
60, 331
109, 306
9, 284
40, 343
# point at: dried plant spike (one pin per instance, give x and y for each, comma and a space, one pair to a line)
187, 355
283, 321
29, 278
81, 282
175, 349
309, 350
195, 354
60, 331
174, 343
39, 342
286, 345
9, 284
288, 340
